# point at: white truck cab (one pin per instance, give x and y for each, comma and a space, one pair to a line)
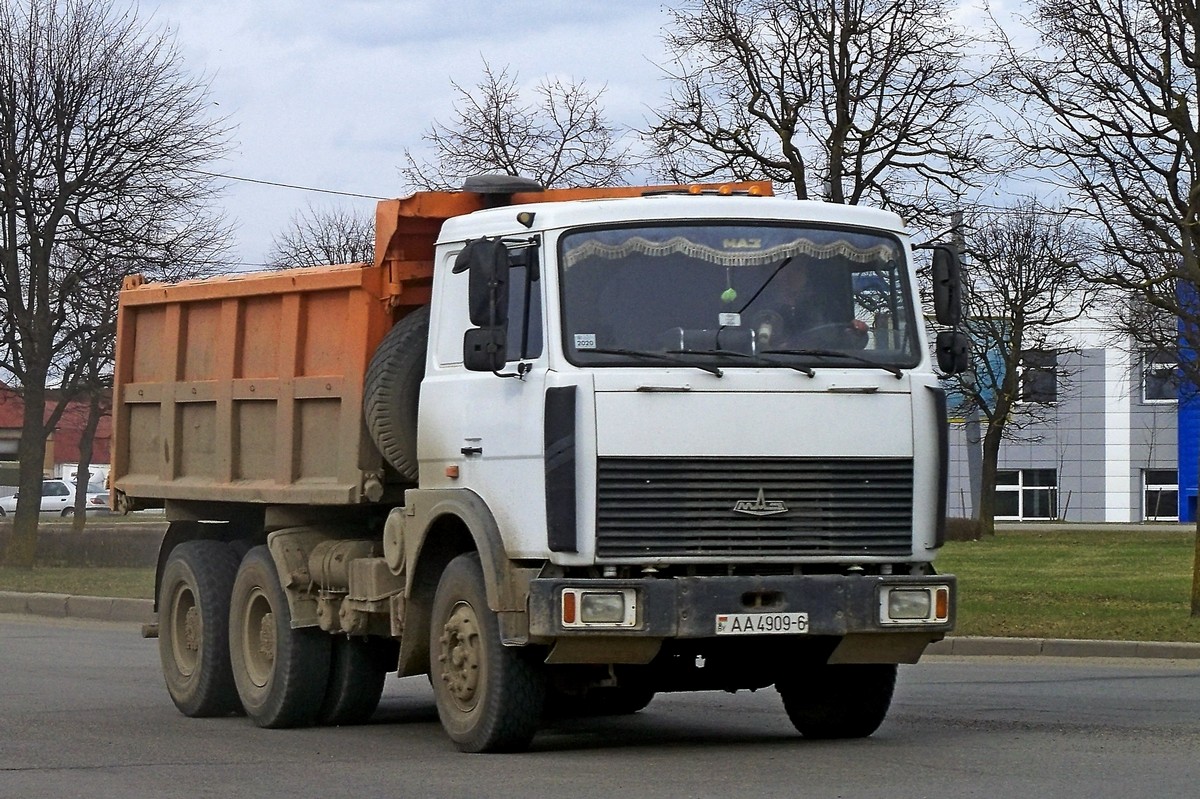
701, 426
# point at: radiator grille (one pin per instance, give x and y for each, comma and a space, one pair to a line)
672, 508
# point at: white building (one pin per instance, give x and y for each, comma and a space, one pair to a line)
1105, 447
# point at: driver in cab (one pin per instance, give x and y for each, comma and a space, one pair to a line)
800, 311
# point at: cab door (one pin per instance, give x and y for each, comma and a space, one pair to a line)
483, 430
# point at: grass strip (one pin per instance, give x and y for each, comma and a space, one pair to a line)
1110, 585
80, 581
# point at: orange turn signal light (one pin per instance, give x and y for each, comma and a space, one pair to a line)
568, 607
941, 603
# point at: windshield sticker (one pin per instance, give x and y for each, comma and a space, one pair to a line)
585, 341
729, 319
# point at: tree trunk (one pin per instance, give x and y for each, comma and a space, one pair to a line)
31, 453
86, 441
987, 482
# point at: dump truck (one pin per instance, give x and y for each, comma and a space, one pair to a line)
558, 450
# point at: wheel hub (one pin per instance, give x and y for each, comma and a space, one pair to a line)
259, 639
187, 630
191, 629
266, 636
460, 655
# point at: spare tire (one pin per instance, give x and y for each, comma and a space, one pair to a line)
393, 389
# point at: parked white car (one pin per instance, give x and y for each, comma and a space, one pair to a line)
58, 496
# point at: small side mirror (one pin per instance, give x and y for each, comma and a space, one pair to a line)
484, 349
947, 286
486, 260
953, 352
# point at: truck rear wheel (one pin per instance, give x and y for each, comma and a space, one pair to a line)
281, 673
392, 388
356, 676
840, 701
193, 628
489, 696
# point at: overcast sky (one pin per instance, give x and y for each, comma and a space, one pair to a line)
329, 93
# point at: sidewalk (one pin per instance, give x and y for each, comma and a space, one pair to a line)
140, 611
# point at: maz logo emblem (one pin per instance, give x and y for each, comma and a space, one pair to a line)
760, 506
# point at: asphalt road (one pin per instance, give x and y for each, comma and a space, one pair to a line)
83, 713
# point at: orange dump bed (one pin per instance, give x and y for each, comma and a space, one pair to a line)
247, 388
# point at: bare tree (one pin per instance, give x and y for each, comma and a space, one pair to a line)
103, 146
331, 235
850, 101
559, 136
1112, 103
1024, 284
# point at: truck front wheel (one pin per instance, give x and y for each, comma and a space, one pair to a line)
840, 701
281, 673
489, 696
193, 628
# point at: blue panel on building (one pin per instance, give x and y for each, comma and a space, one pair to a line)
1188, 445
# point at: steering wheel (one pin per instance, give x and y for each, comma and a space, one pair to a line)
836, 335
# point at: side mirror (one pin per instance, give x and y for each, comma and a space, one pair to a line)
485, 349
486, 260
953, 352
947, 286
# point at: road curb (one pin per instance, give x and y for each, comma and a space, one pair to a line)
141, 611
64, 606
1058, 647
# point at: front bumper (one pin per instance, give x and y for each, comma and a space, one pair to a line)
687, 607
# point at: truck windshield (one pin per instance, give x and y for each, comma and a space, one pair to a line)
788, 294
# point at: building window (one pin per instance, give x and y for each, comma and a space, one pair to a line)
1039, 376
1026, 494
1160, 495
1160, 377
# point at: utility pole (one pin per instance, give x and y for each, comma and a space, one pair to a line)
973, 427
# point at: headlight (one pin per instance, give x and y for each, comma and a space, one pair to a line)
909, 604
587, 607
914, 605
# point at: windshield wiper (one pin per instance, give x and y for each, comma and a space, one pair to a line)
656, 356
839, 354
757, 358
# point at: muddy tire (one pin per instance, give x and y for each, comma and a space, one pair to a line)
193, 628
393, 388
489, 696
844, 701
357, 672
281, 674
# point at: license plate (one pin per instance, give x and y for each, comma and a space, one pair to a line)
762, 623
